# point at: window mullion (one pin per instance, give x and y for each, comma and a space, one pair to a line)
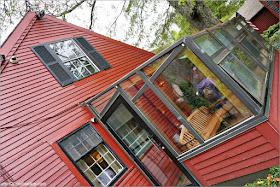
172, 109
224, 77
245, 50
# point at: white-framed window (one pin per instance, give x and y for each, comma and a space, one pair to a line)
73, 57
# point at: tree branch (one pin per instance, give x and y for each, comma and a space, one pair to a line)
115, 21
71, 9
91, 15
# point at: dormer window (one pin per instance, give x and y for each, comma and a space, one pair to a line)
71, 59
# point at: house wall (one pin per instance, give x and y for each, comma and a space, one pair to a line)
249, 152
37, 111
264, 19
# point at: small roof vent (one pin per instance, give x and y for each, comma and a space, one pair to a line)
14, 60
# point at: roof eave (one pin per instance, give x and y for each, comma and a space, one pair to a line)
14, 36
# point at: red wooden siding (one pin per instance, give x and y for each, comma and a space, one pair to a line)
40, 164
264, 19
270, 9
41, 111
247, 153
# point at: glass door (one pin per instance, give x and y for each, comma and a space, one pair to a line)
146, 149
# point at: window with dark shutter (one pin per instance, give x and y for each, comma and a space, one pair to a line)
70, 60
91, 51
53, 64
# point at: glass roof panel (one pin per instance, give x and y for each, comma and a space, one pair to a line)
208, 44
244, 58
152, 67
237, 22
132, 85
200, 96
243, 76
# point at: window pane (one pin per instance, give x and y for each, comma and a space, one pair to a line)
80, 65
165, 121
102, 149
85, 147
249, 29
249, 63
82, 165
245, 59
74, 153
250, 43
81, 142
255, 51
151, 68
132, 85
89, 161
243, 76
129, 130
62, 55
207, 104
109, 158
233, 31
81, 149
116, 166
208, 44
223, 38
77, 74
90, 175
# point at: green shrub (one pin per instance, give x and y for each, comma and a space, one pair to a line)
272, 35
271, 180
193, 100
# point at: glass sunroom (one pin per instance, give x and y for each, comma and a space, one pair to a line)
197, 93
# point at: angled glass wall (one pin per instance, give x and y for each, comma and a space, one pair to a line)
200, 90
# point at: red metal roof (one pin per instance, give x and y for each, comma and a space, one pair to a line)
31, 97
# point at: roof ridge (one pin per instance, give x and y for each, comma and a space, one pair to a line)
19, 41
24, 33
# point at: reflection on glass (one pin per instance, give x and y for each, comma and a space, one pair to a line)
73, 58
208, 44
249, 63
81, 142
255, 34
132, 85
100, 166
233, 31
243, 75
144, 147
162, 118
212, 107
255, 51
245, 59
250, 43
130, 132
151, 68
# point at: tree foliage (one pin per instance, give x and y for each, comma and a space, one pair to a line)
171, 19
222, 11
10, 10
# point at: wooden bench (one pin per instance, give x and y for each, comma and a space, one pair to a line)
205, 122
